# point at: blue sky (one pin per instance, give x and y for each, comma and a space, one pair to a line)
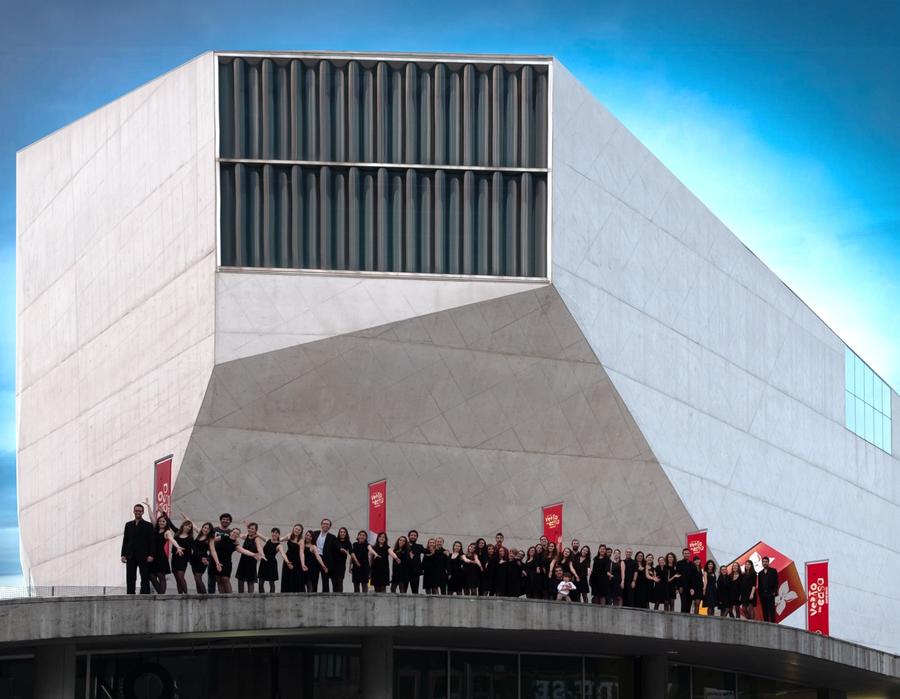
781, 117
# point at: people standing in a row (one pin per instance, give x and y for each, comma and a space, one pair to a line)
316, 560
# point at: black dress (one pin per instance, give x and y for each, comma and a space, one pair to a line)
734, 589
498, 586
514, 579
581, 570
359, 574
748, 583
199, 556
530, 568
641, 587
457, 573
599, 579
661, 589
225, 547
723, 591
630, 593
246, 569
160, 562
443, 568
180, 562
671, 572
615, 583
380, 568
292, 580
710, 596
401, 569
431, 570
268, 566
486, 583
472, 576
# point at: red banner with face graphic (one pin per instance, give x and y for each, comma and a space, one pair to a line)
378, 507
817, 597
553, 526
162, 485
696, 542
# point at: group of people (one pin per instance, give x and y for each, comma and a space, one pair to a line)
313, 560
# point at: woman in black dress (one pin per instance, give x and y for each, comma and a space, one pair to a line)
200, 556
345, 548
672, 577
710, 596
431, 568
582, 566
222, 549
498, 571
515, 574
381, 574
444, 568
401, 557
456, 581
550, 560
159, 566
488, 558
268, 565
360, 567
246, 571
723, 593
293, 561
599, 580
641, 590
473, 570
734, 589
181, 555
616, 577
529, 567
659, 585
314, 564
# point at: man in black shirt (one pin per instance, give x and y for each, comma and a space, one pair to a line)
416, 550
767, 588
137, 551
224, 529
685, 583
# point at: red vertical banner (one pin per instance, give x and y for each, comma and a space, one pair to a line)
696, 543
162, 485
817, 597
553, 522
377, 507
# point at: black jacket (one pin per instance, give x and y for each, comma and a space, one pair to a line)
330, 551
137, 541
767, 582
686, 570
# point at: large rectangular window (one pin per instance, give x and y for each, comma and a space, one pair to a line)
867, 407
362, 164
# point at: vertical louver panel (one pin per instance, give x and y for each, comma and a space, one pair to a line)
383, 219
415, 113
383, 166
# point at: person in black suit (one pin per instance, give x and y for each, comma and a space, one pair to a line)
327, 545
137, 551
416, 551
767, 588
684, 569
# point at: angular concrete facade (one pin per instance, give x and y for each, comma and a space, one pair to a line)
658, 378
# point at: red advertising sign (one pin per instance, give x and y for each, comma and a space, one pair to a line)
378, 507
791, 593
696, 542
162, 485
817, 594
553, 522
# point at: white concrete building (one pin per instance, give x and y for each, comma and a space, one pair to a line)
300, 273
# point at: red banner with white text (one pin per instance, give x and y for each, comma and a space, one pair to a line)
817, 597
162, 485
553, 522
696, 542
377, 507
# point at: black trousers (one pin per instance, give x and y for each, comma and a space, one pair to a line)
414, 583
211, 577
337, 583
131, 570
685, 597
768, 608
